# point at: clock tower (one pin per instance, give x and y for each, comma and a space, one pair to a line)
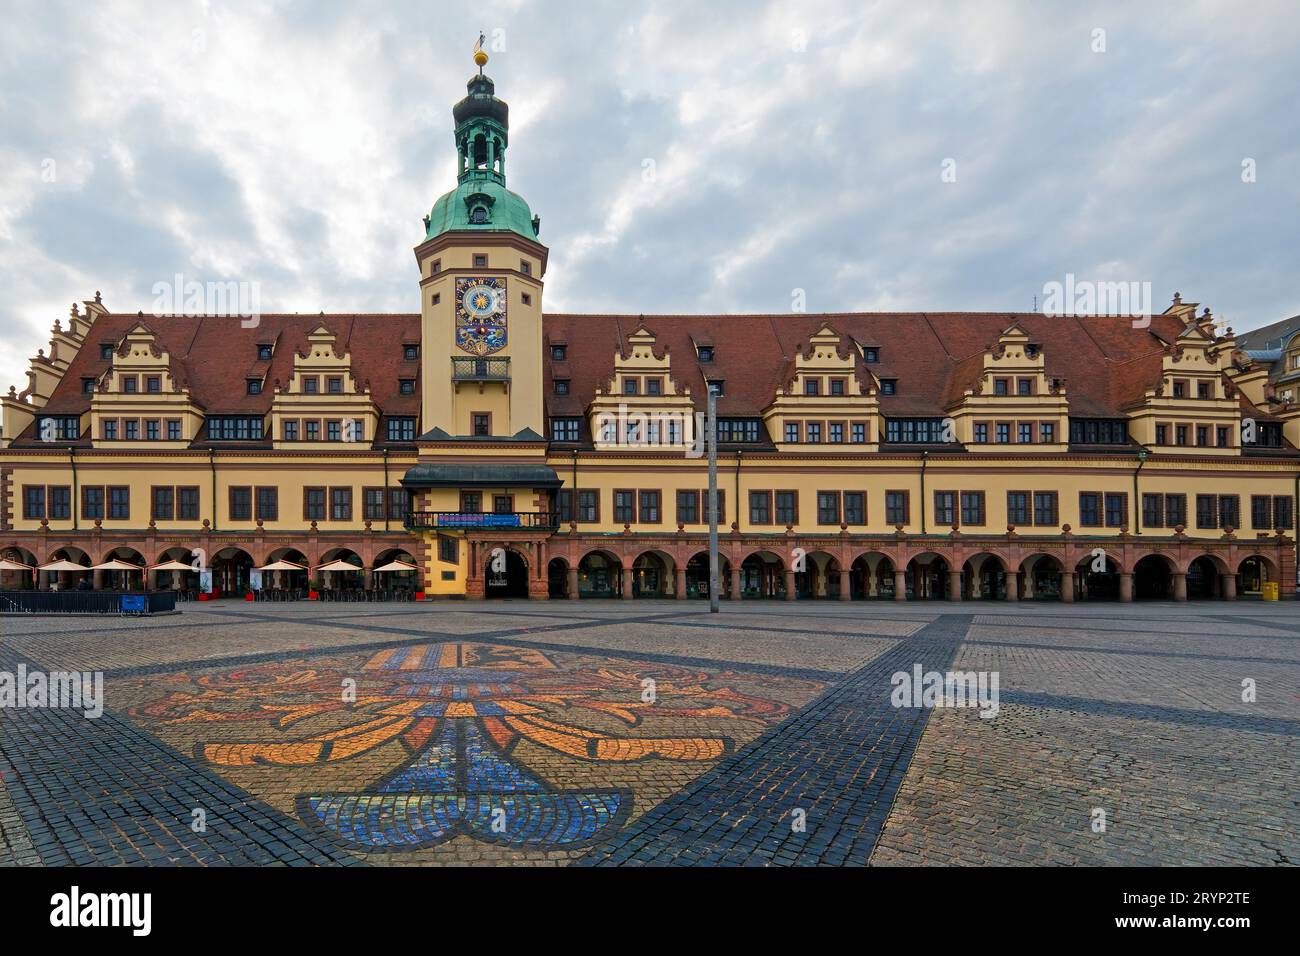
481, 268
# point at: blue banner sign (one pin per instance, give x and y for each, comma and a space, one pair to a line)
478, 521
134, 604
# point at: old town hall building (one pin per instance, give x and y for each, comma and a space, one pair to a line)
496, 449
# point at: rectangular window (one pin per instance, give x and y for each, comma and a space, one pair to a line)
448, 550
33, 502
187, 504
313, 504
1229, 511
163, 506
1046, 432
1045, 512
1282, 517
312, 430
561, 386
1024, 386
1221, 436
130, 384
401, 428
110, 430
471, 503
1025, 433
60, 503
855, 508
1153, 511
503, 504
334, 385
654, 386
837, 386
399, 504
340, 504
1116, 510
268, 504
814, 430
372, 504
688, 507
859, 432
631, 386
564, 506
406, 386
559, 353
625, 507
945, 508
482, 424
760, 507
1175, 511
836, 430
174, 432
132, 429
999, 386
1202, 436
1090, 509
311, 385
333, 431
564, 429
119, 503
241, 504
1003, 433
1206, 511
1261, 512
787, 508
650, 507
811, 386
152, 429
588, 507
234, 428
828, 507
972, 508
897, 509
1180, 435
722, 506
981, 432
1018, 508
792, 432
92, 502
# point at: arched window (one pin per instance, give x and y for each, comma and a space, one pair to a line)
478, 215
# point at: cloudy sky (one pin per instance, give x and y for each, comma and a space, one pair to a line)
684, 156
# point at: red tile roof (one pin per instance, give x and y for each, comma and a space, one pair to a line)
933, 356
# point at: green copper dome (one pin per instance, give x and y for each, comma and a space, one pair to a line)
481, 203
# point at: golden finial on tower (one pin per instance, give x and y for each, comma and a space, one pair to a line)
480, 54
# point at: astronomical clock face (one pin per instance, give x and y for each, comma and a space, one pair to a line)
481, 315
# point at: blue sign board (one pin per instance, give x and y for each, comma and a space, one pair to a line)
478, 521
134, 604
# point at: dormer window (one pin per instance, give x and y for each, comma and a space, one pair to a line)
559, 353
1032, 350
254, 386
410, 353
407, 386
706, 353
478, 216
889, 386
264, 353
106, 351
87, 386
717, 387
870, 354
561, 386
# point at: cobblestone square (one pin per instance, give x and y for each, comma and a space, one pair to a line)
596, 733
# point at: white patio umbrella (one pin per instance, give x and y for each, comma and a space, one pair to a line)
63, 564
340, 566
172, 565
282, 565
116, 564
396, 566
7, 565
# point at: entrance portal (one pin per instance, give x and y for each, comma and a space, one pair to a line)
508, 582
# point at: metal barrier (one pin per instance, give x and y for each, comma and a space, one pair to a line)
87, 602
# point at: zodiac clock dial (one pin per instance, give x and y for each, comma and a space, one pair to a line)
481, 315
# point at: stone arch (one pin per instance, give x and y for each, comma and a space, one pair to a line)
696, 570
871, 575
653, 574
1153, 577
928, 576
125, 580
1253, 570
1042, 577
1205, 576
820, 577
19, 580
231, 571
600, 574
762, 574
1098, 578
984, 576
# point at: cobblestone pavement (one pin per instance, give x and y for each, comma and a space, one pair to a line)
603, 733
